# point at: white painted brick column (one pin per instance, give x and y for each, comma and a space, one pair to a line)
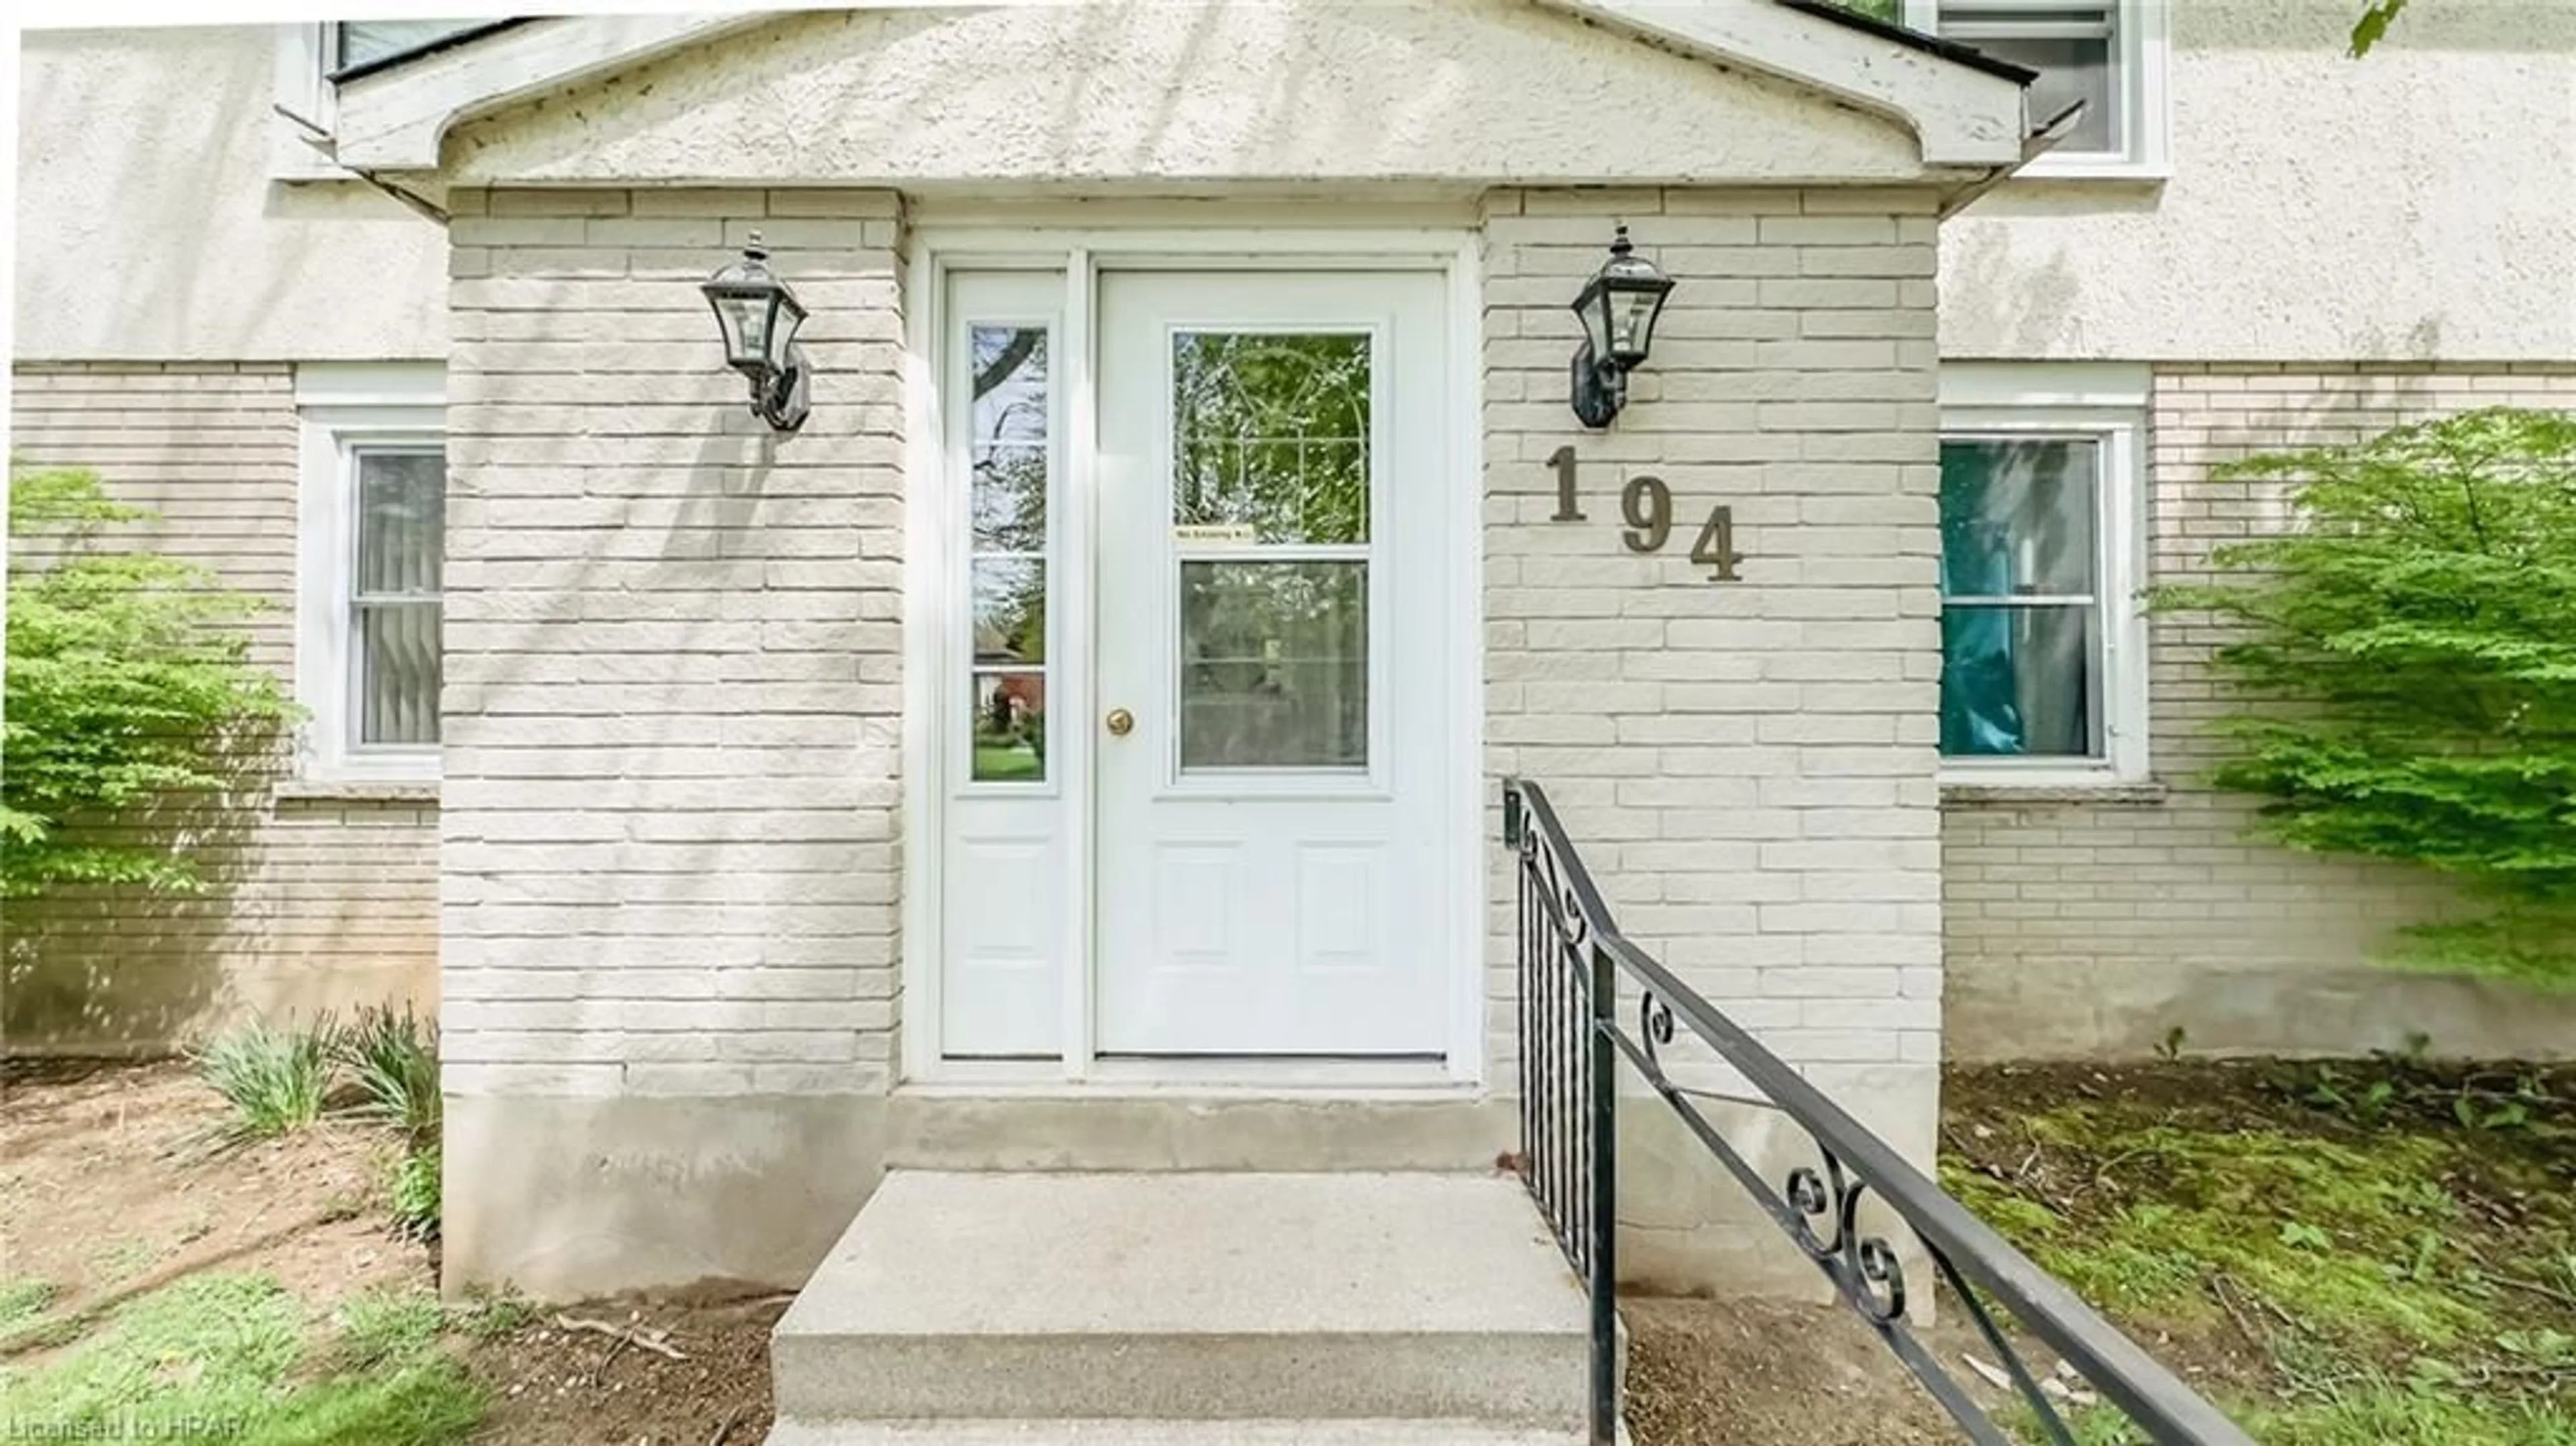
673, 711
1748, 766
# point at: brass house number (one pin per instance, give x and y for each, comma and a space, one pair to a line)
1647, 504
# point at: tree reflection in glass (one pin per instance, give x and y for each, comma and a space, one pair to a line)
1271, 434
1010, 455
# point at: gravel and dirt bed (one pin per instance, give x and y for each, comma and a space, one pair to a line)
2380, 1254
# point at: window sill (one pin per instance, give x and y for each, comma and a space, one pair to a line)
355, 790
2005, 792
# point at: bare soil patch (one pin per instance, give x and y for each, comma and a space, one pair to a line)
108, 1192
553, 1386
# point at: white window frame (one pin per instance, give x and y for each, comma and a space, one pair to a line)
2105, 401
2142, 38
342, 408
304, 94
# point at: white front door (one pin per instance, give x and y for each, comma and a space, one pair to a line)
1269, 660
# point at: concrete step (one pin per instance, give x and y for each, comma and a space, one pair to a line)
1167, 1433
952, 1129
1210, 1298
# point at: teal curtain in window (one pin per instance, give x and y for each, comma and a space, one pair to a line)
1980, 712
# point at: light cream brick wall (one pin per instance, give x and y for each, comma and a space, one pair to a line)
315, 903
674, 714
1747, 767
2092, 928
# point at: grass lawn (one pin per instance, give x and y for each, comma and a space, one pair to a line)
1006, 763
2345, 1255
235, 1357
271, 1293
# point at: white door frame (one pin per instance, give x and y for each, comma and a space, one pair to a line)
931, 580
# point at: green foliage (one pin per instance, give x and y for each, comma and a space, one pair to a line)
385, 1325
490, 1314
275, 1076
414, 1192
227, 1354
22, 1300
2341, 1264
2373, 25
128, 680
2408, 655
393, 1059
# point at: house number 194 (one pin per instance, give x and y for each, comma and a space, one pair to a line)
1646, 504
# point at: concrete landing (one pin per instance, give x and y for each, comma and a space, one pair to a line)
1038, 1301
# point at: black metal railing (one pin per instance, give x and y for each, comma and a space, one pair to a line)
1574, 967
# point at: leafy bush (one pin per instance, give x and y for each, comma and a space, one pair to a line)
276, 1077
393, 1058
2410, 656
128, 679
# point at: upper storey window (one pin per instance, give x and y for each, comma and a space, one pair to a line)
312, 60
364, 42
2109, 54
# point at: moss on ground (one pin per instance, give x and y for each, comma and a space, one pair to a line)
2381, 1255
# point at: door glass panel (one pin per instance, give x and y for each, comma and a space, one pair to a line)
1008, 424
1010, 727
1270, 432
1010, 611
1008, 451
1274, 664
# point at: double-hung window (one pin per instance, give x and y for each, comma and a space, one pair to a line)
2109, 54
2043, 657
371, 523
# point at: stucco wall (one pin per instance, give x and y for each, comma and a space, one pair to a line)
1748, 766
2081, 929
148, 228
315, 903
1175, 93
2418, 203
670, 849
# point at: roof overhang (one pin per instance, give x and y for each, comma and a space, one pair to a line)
1968, 117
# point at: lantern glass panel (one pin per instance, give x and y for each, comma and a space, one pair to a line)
1593, 310
1632, 323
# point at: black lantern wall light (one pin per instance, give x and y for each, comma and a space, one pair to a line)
759, 317
1618, 308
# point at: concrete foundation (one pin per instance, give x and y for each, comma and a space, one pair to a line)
566, 1198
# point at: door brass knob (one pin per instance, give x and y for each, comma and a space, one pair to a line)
1120, 722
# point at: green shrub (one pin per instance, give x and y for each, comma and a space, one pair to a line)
414, 1192
393, 1060
274, 1076
128, 680
2408, 658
